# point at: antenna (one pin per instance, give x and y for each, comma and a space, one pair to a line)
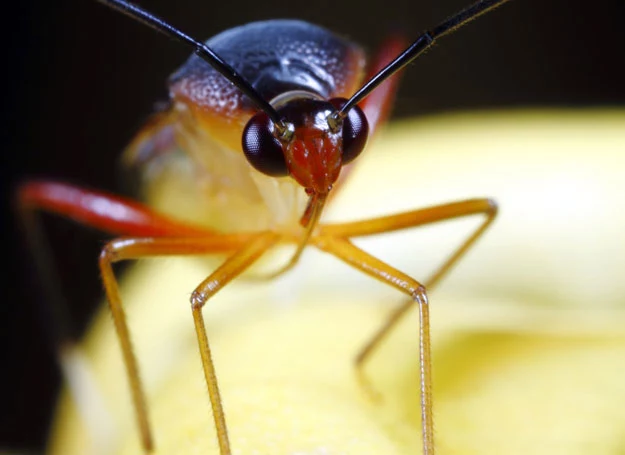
419, 46
201, 50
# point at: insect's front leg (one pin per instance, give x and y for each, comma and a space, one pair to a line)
230, 269
347, 252
334, 239
136, 248
407, 220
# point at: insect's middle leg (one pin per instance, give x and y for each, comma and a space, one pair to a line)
233, 267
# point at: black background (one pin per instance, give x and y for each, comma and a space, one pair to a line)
79, 80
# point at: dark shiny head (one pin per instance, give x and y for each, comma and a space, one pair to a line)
311, 145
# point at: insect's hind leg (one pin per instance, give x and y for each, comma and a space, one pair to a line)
149, 234
53, 305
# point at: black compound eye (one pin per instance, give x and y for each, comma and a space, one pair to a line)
262, 149
355, 130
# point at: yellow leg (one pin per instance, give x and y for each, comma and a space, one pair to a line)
349, 253
134, 248
333, 238
486, 207
233, 267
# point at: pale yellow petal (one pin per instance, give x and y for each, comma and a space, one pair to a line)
529, 330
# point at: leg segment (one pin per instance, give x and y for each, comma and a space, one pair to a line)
116, 215
107, 212
333, 238
486, 207
233, 267
354, 256
124, 249
104, 211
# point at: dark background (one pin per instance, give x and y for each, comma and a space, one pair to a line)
79, 80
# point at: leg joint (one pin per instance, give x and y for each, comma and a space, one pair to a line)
420, 296
493, 207
198, 299
109, 253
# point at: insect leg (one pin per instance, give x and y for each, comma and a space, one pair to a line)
233, 267
333, 239
486, 207
135, 248
111, 214
344, 250
106, 212
69, 357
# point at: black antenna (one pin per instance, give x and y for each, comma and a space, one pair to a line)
418, 47
203, 51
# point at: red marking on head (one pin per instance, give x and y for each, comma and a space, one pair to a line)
314, 158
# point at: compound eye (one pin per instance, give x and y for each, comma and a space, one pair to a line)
262, 149
355, 130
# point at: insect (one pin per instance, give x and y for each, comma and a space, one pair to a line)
261, 122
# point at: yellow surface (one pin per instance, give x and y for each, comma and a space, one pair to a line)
529, 330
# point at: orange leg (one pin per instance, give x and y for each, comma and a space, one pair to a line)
354, 256
247, 252
333, 238
486, 207
151, 235
106, 212
233, 267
